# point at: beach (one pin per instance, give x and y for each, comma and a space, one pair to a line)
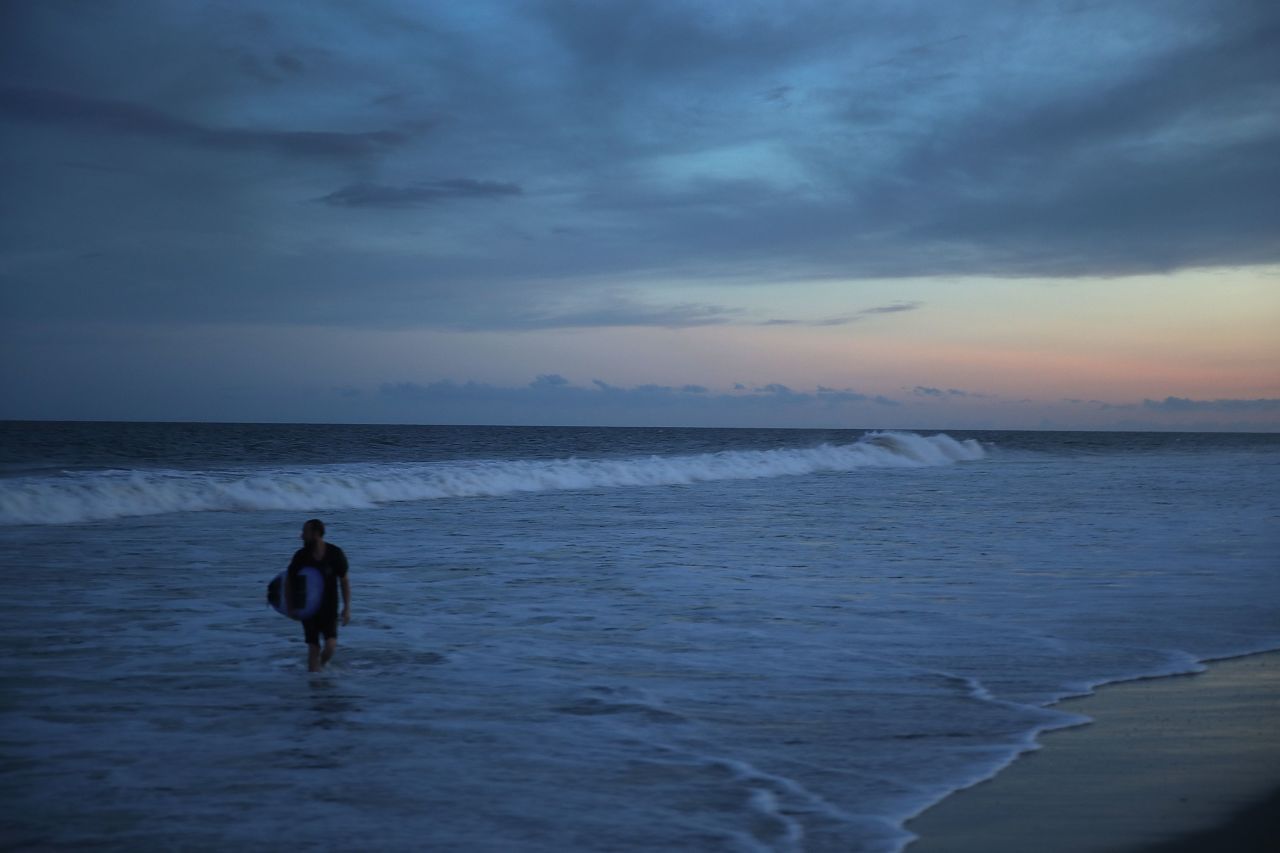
1168, 764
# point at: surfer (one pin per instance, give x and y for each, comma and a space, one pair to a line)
332, 563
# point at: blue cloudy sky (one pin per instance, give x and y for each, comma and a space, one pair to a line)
863, 214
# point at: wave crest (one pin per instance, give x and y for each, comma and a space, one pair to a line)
101, 495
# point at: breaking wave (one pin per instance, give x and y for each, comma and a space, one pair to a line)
100, 495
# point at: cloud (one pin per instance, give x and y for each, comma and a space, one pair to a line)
663, 142
1163, 165
552, 398
1086, 171
848, 395
549, 380
894, 308
777, 94
1183, 404
910, 55
830, 321
1101, 405
425, 192
619, 311
90, 114
939, 393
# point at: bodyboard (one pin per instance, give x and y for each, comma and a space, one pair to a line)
305, 595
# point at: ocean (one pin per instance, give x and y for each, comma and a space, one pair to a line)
590, 639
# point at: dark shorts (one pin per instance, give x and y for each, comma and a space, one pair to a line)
321, 623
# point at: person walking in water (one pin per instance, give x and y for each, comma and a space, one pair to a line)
332, 563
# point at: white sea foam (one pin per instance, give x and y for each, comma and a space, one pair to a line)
96, 496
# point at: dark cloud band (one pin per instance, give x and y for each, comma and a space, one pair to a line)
426, 192
110, 116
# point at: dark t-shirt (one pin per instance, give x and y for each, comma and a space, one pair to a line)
332, 565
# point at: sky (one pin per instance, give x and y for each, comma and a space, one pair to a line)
801, 213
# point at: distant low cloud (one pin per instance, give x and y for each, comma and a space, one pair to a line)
554, 383
848, 395
1184, 404
939, 393
424, 192
551, 398
830, 321
823, 394
621, 312
646, 391
895, 308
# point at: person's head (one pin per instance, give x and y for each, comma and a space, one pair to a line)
313, 531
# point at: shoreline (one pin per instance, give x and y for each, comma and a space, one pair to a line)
1169, 764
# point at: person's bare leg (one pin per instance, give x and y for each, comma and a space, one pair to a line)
314, 662
330, 646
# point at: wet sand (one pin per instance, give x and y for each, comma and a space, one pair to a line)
1165, 761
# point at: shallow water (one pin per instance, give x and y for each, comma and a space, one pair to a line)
592, 640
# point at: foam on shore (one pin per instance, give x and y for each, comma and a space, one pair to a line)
1163, 757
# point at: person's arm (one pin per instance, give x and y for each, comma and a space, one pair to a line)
346, 600
343, 569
